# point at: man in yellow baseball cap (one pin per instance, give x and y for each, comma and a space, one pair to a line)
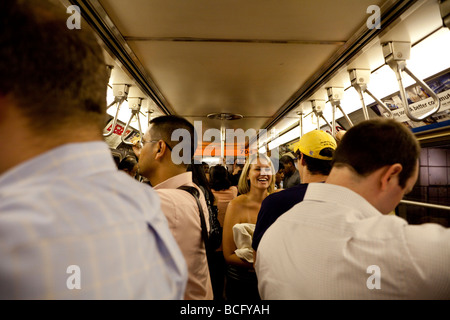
314, 152
315, 144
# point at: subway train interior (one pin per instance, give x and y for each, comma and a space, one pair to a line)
279, 69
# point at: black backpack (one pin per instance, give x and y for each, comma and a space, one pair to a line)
213, 239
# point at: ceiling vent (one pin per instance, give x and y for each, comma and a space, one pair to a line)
224, 116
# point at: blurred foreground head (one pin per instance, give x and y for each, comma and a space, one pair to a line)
55, 77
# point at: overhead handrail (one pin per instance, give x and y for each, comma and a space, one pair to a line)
395, 55
345, 115
318, 106
135, 106
300, 121
423, 204
119, 104
111, 104
335, 95
360, 79
120, 92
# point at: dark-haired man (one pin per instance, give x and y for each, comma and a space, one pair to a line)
340, 242
290, 171
168, 148
71, 225
314, 153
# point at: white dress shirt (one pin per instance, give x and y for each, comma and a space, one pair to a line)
335, 245
73, 227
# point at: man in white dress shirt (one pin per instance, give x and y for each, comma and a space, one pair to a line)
71, 225
340, 242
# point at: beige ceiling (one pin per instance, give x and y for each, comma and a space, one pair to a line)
233, 56
262, 59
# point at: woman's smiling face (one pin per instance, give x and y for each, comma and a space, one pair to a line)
260, 174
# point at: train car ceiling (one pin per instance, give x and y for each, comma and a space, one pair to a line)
263, 59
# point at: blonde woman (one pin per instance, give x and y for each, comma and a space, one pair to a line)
255, 184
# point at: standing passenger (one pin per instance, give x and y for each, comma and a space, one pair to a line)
314, 153
71, 225
279, 177
129, 166
167, 171
236, 172
199, 178
291, 174
256, 182
223, 192
339, 242
222, 189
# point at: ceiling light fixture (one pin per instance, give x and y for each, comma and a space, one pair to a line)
225, 116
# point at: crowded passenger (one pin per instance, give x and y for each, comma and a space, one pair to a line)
214, 255
279, 176
236, 171
71, 225
314, 153
340, 242
223, 192
290, 171
339, 135
206, 170
255, 184
129, 165
222, 189
167, 171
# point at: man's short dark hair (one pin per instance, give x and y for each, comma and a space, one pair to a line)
219, 178
163, 127
373, 144
127, 163
318, 166
286, 160
55, 76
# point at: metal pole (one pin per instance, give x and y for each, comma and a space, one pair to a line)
423, 204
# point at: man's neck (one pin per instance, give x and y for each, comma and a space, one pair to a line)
366, 187
164, 173
315, 178
26, 145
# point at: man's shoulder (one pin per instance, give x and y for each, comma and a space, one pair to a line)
289, 194
67, 207
173, 195
179, 199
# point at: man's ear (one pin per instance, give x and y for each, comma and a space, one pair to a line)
302, 160
161, 150
390, 175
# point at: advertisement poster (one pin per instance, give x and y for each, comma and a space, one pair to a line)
420, 103
115, 139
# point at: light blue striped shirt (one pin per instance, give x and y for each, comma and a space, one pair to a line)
73, 227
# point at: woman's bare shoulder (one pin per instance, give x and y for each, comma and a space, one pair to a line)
239, 200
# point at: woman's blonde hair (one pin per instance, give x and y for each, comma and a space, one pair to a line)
244, 184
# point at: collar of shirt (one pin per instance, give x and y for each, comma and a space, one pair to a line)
326, 192
176, 181
70, 160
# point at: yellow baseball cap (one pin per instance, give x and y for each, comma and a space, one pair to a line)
313, 142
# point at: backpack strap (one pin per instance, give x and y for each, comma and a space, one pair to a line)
196, 194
